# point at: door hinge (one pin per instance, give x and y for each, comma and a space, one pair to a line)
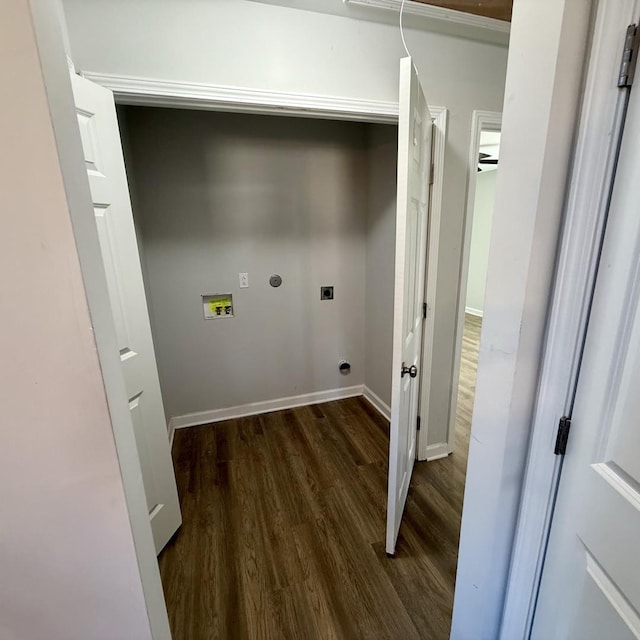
629, 56
418, 423
563, 435
424, 309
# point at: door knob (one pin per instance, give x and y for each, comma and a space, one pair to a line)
412, 370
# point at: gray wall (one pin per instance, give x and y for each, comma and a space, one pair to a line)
218, 194
381, 232
278, 48
480, 237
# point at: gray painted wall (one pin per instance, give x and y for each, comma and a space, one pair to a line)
218, 194
312, 53
480, 237
381, 232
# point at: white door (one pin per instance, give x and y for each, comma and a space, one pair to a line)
109, 191
414, 166
591, 577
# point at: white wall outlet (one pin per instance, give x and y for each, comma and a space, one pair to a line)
244, 280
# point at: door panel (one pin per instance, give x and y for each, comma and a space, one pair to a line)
119, 251
603, 600
105, 235
146, 466
414, 166
591, 578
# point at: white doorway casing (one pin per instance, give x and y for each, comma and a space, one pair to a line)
160, 93
481, 121
427, 450
214, 98
542, 97
596, 149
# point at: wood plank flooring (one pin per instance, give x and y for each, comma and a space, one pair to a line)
284, 524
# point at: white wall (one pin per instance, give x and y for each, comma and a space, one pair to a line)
381, 233
480, 238
263, 46
67, 560
539, 116
218, 194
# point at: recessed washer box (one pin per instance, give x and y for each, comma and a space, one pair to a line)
219, 305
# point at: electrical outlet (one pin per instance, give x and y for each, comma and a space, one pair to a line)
244, 280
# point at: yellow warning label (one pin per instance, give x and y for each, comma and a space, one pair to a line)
220, 306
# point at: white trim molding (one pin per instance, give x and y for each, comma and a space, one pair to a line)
437, 13
437, 451
481, 121
189, 95
469, 23
417, 15
473, 312
185, 95
599, 132
378, 404
440, 117
255, 408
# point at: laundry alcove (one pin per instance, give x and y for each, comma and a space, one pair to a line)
216, 195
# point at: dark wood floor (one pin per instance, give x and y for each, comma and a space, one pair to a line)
284, 523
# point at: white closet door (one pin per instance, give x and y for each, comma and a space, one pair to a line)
112, 208
591, 578
414, 166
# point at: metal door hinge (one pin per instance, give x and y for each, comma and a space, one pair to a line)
424, 309
418, 424
563, 435
629, 56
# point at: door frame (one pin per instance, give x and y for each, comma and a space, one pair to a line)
480, 121
431, 277
146, 92
589, 188
154, 92
133, 91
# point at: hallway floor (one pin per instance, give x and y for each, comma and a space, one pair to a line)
284, 525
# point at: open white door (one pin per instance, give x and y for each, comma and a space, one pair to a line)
414, 166
110, 194
591, 577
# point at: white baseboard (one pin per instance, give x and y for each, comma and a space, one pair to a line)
172, 433
437, 451
382, 407
473, 312
254, 408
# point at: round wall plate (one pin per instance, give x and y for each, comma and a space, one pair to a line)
275, 280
